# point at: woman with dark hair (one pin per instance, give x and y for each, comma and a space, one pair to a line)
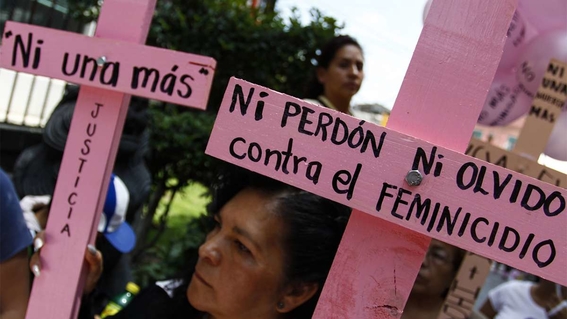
266, 256
338, 75
439, 268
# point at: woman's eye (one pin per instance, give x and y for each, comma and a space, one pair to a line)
441, 256
216, 223
241, 247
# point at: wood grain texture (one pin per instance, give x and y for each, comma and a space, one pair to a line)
483, 203
57, 292
440, 99
364, 282
131, 68
451, 71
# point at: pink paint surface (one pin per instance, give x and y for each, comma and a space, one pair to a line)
77, 202
436, 102
369, 277
395, 160
84, 176
451, 71
191, 74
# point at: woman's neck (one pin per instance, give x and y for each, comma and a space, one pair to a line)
422, 306
544, 294
342, 105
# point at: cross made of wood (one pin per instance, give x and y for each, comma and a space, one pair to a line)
408, 182
110, 66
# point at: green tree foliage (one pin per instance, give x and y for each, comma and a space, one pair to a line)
259, 47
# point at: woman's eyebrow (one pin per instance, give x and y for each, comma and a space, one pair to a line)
247, 235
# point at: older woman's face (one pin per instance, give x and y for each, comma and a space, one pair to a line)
240, 269
345, 73
437, 270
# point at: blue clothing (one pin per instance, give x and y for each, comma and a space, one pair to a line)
14, 234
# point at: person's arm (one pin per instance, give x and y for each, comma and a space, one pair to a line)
487, 310
14, 240
14, 286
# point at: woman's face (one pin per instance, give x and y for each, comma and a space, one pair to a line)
239, 273
437, 270
345, 73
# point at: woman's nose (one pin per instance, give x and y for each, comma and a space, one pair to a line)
210, 251
354, 71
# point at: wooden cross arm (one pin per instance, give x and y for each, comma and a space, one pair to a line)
480, 207
110, 64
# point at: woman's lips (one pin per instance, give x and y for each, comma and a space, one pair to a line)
351, 86
420, 279
201, 279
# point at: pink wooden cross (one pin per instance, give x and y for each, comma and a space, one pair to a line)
110, 67
477, 206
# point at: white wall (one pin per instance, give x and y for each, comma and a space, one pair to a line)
27, 99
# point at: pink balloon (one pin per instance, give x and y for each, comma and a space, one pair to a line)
505, 101
545, 15
557, 143
519, 33
534, 59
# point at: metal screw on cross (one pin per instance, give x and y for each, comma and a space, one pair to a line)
109, 67
414, 177
101, 61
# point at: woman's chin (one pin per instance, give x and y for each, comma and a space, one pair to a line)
349, 95
193, 295
419, 288
199, 298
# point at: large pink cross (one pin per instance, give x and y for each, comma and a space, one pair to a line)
110, 67
477, 206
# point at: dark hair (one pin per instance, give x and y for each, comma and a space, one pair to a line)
314, 88
459, 257
314, 227
314, 230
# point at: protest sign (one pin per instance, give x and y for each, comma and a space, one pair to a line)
460, 200
377, 260
136, 69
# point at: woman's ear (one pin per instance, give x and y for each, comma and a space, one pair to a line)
295, 295
321, 74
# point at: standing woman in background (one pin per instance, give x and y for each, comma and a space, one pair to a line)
338, 75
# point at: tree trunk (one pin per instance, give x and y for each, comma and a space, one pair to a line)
162, 222
270, 5
143, 222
